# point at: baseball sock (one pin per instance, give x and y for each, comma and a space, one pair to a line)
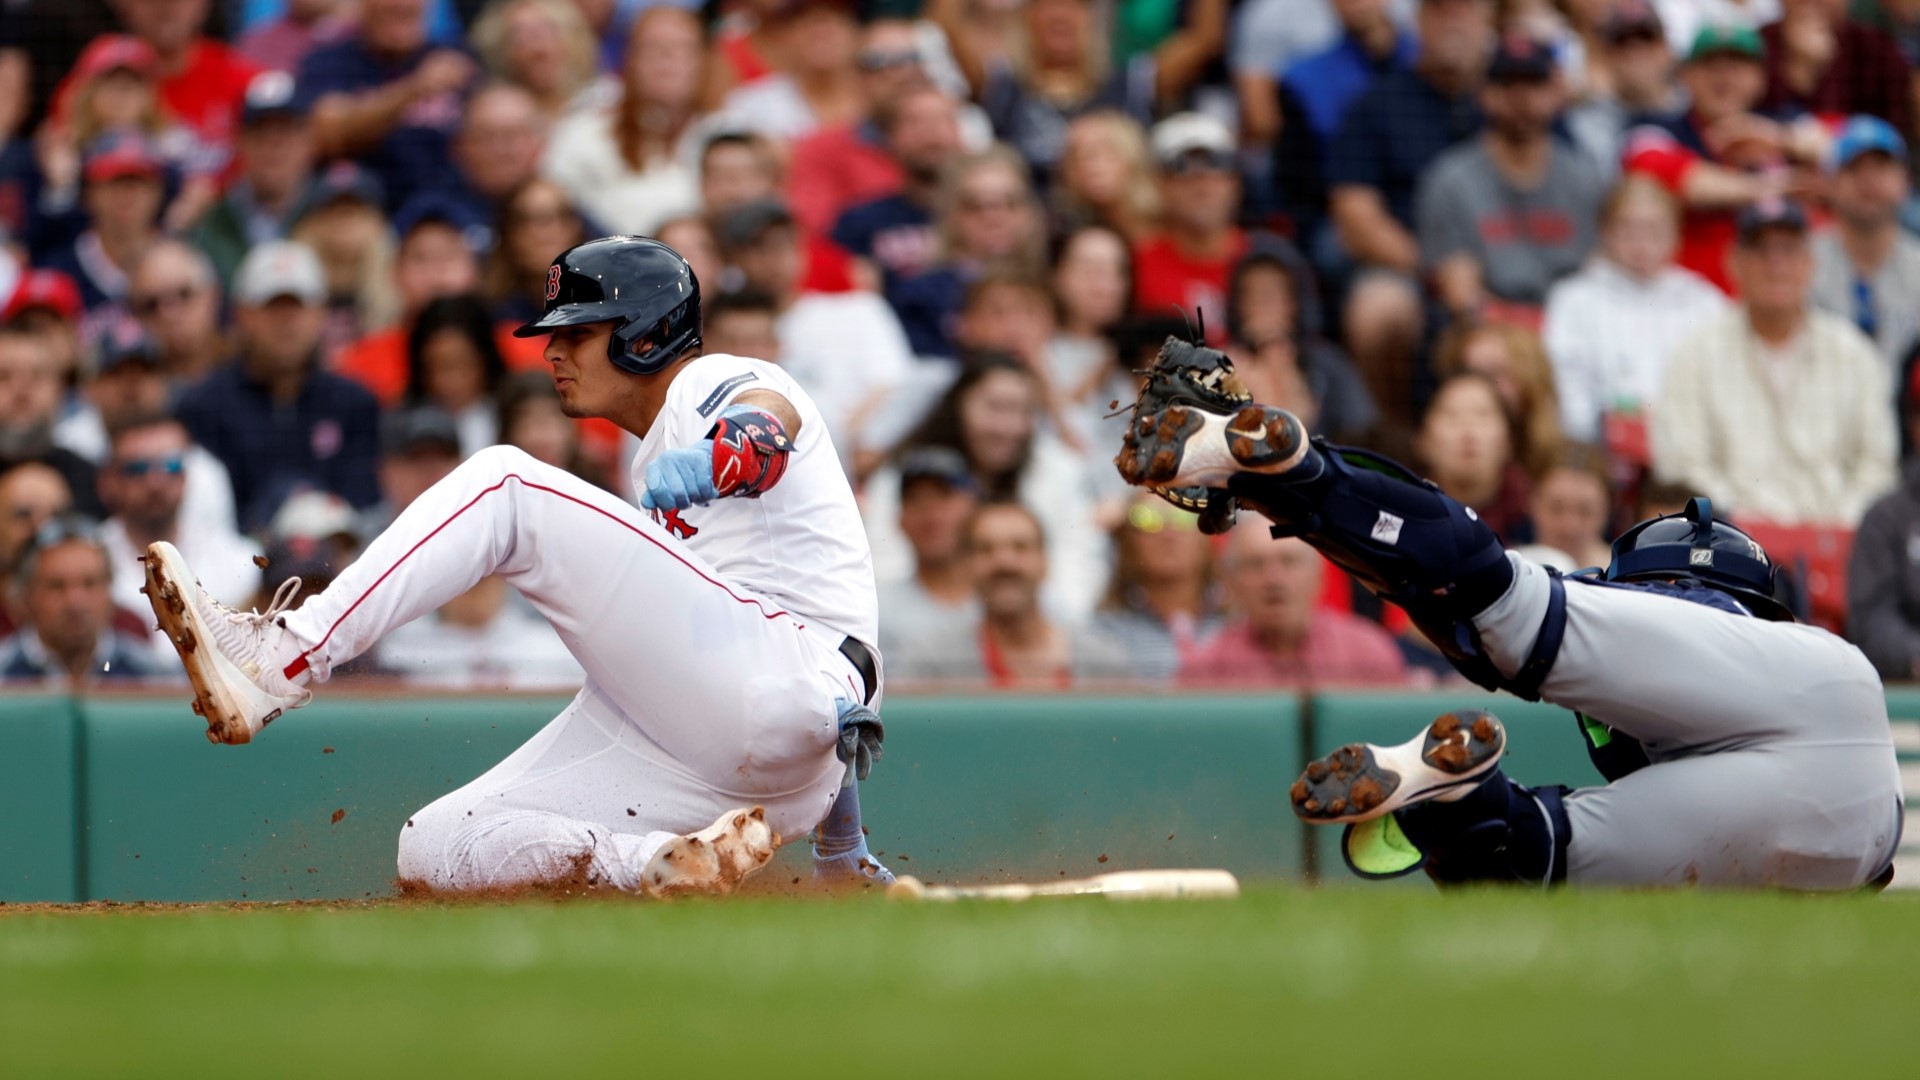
840, 833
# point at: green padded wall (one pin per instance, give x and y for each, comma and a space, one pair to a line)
973, 788
171, 816
1543, 744
39, 805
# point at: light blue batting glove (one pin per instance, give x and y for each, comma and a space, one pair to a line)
680, 478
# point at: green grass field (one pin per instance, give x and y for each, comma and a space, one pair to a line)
1334, 983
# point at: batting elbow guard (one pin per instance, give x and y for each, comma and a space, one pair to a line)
750, 449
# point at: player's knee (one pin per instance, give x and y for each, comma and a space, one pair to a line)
497, 461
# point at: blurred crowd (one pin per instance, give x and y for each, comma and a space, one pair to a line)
1575, 260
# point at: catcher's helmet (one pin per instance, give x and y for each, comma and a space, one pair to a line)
641, 286
1691, 545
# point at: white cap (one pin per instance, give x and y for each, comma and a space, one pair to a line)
280, 268
313, 515
1185, 133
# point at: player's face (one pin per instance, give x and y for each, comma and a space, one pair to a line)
586, 380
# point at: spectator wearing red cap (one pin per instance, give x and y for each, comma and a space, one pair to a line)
122, 187
46, 304
201, 80
114, 87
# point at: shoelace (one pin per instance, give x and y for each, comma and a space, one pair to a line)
282, 600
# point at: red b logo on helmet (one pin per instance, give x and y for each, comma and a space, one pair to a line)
553, 283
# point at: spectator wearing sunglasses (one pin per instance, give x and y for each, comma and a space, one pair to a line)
1187, 264
1162, 604
842, 165
130, 383
175, 297
144, 487
63, 592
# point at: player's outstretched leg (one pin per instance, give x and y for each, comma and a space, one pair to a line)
714, 860
1438, 802
231, 656
1362, 781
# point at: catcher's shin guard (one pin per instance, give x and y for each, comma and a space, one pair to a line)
1501, 833
1409, 544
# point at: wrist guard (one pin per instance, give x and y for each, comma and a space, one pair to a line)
750, 449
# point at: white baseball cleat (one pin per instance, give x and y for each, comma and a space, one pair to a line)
1185, 447
1361, 781
231, 656
714, 860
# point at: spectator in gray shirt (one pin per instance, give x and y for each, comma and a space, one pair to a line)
937, 495
1866, 269
1015, 644
1503, 217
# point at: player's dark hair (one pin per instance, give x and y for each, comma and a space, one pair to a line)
467, 316
942, 426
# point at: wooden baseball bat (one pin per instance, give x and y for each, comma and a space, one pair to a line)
1120, 885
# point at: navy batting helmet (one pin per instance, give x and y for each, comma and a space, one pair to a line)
1691, 545
641, 286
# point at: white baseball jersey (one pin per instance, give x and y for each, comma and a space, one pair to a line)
802, 544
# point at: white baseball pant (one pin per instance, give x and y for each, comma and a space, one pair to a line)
700, 696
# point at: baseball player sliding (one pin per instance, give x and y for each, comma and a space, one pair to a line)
724, 627
1742, 749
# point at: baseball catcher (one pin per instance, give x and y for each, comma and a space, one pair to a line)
724, 626
1742, 749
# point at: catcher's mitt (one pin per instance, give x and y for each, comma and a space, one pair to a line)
1187, 373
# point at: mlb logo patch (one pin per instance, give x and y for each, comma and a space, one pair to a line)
1386, 528
1700, 557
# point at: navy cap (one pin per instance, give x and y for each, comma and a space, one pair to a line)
745, 224
433, 207
127, 344
271, 95
426, 427
1764, 214
1519, 58
1632, 18
937, 463
347, 180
